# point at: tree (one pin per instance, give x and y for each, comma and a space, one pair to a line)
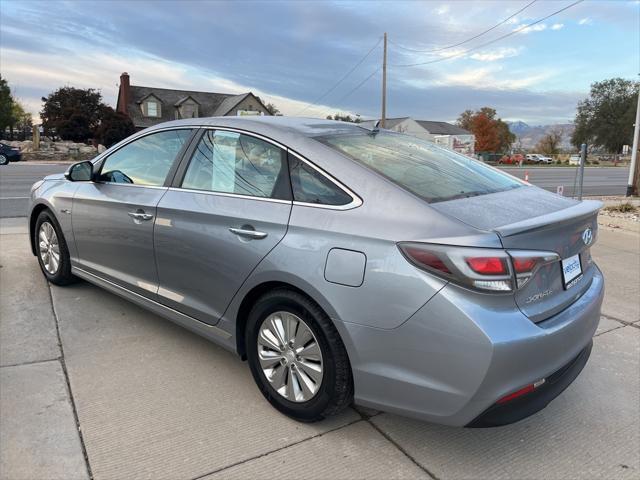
114, 126
465, 120
72, 113
486, 133
489, 130
272, 109
605, 119
20, 120
6, 105
550, 142
345, 118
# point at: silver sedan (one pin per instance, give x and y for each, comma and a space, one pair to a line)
343, 263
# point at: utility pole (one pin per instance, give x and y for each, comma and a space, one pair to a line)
384, 84
634, 175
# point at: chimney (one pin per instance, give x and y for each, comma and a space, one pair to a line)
123, 93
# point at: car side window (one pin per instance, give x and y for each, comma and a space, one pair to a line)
310, 186
230, 162
145, 161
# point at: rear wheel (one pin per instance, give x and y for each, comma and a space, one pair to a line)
297, 357
3, 160
52, 250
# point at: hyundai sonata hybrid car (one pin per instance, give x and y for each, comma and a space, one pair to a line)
343, 263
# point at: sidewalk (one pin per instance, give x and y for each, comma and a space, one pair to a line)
154, 401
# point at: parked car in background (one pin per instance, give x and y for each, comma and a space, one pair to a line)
9, 154
515, 159
537, 158
343, 263
574, 159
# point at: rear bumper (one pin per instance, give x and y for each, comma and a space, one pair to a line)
525, 406
461, 352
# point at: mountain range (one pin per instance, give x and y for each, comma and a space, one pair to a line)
528, 136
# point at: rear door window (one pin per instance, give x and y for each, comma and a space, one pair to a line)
433, 173
230, 162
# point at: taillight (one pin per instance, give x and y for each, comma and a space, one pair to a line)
488, 265
485, 269
526, 263
478, 268
426, 259
523, 265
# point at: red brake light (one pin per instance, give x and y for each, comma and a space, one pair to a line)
488, 265
426, 259
524, 265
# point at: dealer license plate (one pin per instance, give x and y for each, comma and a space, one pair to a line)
571, 270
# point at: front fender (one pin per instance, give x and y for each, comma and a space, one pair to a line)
56, 196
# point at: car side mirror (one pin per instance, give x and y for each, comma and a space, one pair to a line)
80, 172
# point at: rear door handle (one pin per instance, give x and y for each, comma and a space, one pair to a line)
248, 233
140, 216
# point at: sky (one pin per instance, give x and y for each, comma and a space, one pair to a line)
293, 53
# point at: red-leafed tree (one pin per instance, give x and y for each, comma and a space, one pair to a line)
486, 132
492, 133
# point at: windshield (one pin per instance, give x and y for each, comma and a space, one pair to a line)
433, 173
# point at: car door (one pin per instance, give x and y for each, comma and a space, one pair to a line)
229, 207
113, 217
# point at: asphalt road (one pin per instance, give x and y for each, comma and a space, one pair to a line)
15, 184
16, 180
597, 180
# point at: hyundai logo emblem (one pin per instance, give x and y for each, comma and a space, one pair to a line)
587, 236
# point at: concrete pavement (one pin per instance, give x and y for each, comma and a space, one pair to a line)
154, 401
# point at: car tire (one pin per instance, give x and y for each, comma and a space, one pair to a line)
52, 250
3, 160
310, 401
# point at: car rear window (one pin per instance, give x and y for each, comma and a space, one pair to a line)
431, 172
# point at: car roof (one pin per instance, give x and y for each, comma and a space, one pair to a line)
308, 127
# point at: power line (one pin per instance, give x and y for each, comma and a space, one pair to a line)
350, 92
468, 39
342, 79
518, 30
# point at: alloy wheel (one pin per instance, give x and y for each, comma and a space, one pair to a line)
49, 248
290, 356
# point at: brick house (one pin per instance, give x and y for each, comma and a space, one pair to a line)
147, 106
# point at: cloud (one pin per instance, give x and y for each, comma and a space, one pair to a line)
585, 21
538, 27
499, 54
33, 75
557, 26
293, 52
494, 77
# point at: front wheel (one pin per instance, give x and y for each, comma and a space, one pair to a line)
3, 160
52, 250
297, 357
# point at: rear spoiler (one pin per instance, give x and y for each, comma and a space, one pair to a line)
585, 208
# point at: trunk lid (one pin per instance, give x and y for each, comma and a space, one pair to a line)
530, 218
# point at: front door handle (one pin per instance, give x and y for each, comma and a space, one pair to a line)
140, 216
248, 233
